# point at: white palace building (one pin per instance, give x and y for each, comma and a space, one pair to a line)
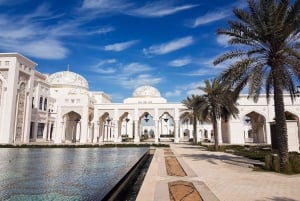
59, 108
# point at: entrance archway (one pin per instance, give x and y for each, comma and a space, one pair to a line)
106, 127
73, 127
147, 127
254, 128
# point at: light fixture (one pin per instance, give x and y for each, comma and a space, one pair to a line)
146, 117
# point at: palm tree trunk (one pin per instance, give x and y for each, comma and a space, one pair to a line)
216, 133
281, 126
195, 129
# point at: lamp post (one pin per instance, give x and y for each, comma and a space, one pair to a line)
146, 118
108, 120
98, 133
127, 120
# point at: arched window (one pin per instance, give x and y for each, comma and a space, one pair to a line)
45, 104
41, 103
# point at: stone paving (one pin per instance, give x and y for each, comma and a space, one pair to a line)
218, 176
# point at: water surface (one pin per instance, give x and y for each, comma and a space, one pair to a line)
63, 173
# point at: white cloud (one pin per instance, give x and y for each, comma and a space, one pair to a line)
186, 90
180, 62
203, 72
210, 17
104, 70
159, 9
151, 10
30, 33
142, 79
117, 47
194, 92
45, 49
170, 46
106, 5
134, 68
103, 62
101, 68
174, 93
9, 2
223, 40
127, 76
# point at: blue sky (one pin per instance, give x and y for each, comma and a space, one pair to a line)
118, 45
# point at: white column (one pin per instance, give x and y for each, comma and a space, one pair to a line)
78, 131
116, 131
96, 131
62, 135
268, 133
49, 130
35, 128
105, 132
45, 131
156, 130
176, 128
136, 132
220, 131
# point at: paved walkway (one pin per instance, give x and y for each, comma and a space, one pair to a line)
218, 176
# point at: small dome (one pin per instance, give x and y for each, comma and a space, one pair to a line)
146, 91
67, 79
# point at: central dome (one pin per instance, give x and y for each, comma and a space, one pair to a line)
146, 91
67, 79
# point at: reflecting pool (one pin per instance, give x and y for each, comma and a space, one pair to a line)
63, 173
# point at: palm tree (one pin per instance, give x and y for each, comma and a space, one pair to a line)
268, 56
217, 102
191, 114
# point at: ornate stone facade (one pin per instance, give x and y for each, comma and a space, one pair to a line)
59, 108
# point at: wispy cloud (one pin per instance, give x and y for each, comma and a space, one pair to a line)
159, 9
20, 33
134, 68
175, 93
180, 62
106, 5
185, 90
223, 40
139, 80
218, 14
128, 76
102, 68
9, 2
150, 10
210, 18
166, 48
202, 72
118, 47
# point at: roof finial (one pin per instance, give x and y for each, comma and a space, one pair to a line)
68, 67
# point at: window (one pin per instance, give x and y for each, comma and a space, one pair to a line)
40, 130
41, 103
0, 63
45, 104
6, 63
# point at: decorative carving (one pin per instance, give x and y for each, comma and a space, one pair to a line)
4, 74
23, 78
146, 91
77, 91
20, 112
67, 78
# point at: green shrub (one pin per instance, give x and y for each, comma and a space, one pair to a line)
293, 166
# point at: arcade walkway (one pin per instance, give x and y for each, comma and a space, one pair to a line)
217, 176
